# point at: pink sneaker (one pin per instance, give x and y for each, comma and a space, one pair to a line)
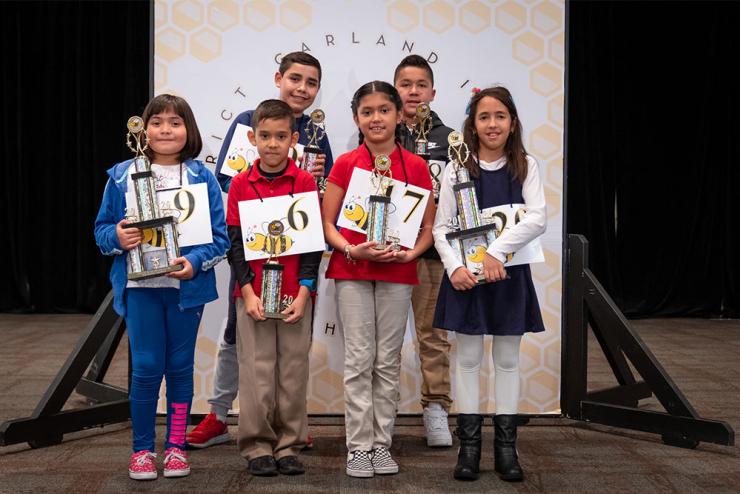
176, 463
142, 466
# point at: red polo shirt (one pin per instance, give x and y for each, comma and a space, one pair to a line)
413, 169
245, 187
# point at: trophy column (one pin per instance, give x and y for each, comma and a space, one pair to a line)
272, 274
154, 260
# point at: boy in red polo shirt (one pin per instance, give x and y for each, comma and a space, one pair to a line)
272, 353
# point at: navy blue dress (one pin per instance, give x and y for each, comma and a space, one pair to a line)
504, 308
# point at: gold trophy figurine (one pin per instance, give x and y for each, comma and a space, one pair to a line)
424, 124
315, 130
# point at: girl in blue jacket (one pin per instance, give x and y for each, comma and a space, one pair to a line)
162, 314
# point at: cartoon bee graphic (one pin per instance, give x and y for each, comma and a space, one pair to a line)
476, 253
354, 211
259, 242
236, 162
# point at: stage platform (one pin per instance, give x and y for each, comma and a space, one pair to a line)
558, 455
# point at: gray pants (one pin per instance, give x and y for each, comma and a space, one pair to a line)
374, 316
226, 380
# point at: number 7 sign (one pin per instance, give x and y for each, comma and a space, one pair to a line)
408, 203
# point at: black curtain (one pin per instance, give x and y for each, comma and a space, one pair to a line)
652, 152
72, 74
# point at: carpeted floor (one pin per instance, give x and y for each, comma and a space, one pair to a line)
558, 455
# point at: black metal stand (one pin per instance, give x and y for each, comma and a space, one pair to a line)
587, 303
48, 424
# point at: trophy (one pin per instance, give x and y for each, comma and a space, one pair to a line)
149, 261
315, 130
379, 203
471, 234
272, 273
424, 123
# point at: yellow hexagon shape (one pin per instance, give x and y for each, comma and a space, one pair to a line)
295, 14
205, 354
543, 387
511, 17
160, 76
439, 16
543, 271
205, 45
546, 79
545, 141
223, 14
554, 294
552, 355
530, 357
259, 15
554, 173
169, 44
160, 13
553, 199
528, 48
547, 17
327, 386
475, 16
403, 15
556, 110
187, 14
556, 48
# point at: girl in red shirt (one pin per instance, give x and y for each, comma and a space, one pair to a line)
373, 286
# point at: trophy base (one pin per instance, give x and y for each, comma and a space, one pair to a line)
275, 315
143, 225
153, 273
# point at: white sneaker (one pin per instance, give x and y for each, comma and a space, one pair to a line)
435, 424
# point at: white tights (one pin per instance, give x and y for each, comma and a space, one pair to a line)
467, 373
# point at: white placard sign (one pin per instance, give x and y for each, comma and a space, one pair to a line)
189, 205
301, 219
506, 216
242, 153
408, 203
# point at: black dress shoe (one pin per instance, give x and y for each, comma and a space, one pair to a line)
263, 466
289, 465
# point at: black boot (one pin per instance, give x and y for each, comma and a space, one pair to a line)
468, 458
504, 448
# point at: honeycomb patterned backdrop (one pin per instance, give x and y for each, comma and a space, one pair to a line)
221, 55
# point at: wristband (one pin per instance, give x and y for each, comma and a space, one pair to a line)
347, 254
310, 284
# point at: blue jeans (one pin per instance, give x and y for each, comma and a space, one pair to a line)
162, 341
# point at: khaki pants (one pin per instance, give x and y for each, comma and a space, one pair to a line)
434, 349
373, 315
273, 379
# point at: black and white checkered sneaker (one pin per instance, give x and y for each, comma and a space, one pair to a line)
359, 464
383, 463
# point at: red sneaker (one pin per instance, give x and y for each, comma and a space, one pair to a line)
176, 463
208, 433
142, 466
309, 442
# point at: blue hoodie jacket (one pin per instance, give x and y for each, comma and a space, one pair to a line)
198, 290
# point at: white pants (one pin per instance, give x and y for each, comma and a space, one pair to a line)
467, 373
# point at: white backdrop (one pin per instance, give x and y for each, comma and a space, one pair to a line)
221, 55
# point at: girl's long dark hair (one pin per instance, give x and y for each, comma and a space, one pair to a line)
178, 105
516, 155
377, 87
